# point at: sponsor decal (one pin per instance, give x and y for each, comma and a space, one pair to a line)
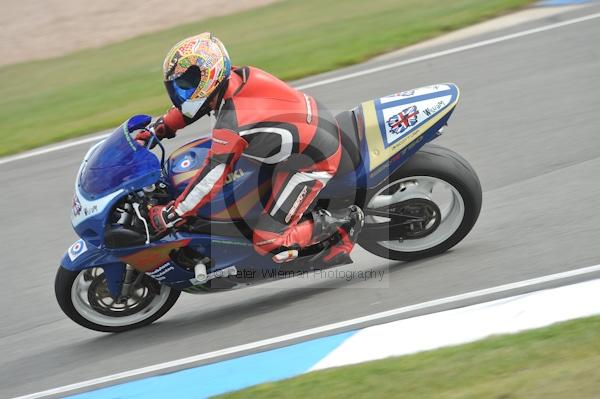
160, 272
77, 249
76, 207
128, 137
219, 141
90, 211
397, 96
297, 203
434, 108
406, 93
233, 176
403, 120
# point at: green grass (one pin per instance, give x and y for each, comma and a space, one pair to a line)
51, 100
560, 361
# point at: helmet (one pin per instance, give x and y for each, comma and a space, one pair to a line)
195, 70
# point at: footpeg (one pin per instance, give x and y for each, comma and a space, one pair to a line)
286, 256
200, 272
227, 272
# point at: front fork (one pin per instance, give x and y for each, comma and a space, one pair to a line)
120, 279
116, 277
129, 281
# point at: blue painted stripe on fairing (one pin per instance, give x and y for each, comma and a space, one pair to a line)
412, 100
225, 376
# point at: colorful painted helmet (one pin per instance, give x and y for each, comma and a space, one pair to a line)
195, 70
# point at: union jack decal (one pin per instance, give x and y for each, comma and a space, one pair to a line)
402, 121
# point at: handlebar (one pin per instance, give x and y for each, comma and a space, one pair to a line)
139, 211
162, 148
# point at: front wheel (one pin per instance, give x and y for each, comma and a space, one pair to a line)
84, 297
425, 208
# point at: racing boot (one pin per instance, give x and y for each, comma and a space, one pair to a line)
335, 233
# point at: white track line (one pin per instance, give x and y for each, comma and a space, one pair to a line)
349, 76
53, 148
451, 51
310, 332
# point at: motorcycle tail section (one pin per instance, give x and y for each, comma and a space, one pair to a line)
396, 126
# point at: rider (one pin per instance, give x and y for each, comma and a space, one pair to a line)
264, 119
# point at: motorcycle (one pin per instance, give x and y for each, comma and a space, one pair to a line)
419, 200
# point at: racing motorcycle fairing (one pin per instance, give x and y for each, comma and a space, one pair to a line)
111, 169
118, 162
394, 127
387, 131
243, 192
83, 255
155, 258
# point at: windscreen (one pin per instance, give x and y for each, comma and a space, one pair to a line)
117, 163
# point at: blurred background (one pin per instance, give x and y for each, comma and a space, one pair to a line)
33, 31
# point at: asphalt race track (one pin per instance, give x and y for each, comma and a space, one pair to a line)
528, 123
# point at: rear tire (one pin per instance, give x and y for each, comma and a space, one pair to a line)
72, 293
430, 166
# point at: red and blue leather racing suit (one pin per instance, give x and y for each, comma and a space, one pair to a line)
264, 119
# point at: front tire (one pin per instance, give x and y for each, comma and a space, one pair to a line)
83, 297
431, 168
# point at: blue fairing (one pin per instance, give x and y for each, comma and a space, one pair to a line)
112, 168
83, 255
88, 256
119, 162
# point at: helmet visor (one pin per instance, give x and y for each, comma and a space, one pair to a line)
183, 87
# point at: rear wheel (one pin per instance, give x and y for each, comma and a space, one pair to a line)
425, 208
84, 298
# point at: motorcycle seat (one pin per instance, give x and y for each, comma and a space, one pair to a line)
350, 142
